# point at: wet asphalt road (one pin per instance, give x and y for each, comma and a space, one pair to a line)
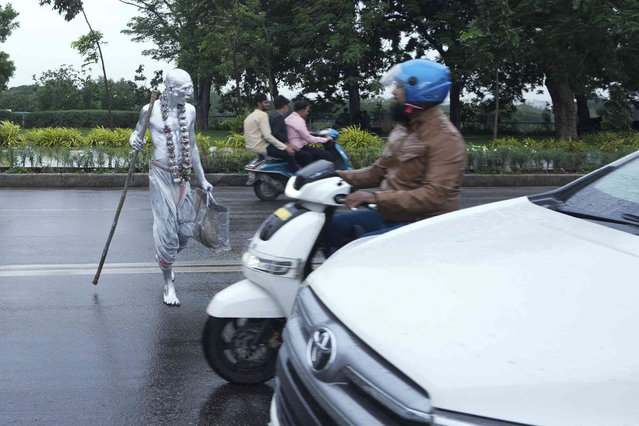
74, 353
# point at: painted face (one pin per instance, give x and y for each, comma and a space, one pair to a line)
182, 91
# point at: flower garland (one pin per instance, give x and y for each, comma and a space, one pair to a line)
181, 174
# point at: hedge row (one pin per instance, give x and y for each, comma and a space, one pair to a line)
80, 118
228, 160
62, 137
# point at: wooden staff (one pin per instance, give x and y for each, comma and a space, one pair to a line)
154, 95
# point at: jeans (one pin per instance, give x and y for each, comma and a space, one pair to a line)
351, 226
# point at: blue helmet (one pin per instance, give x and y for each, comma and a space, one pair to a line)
423, 80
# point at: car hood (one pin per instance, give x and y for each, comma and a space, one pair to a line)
507, 310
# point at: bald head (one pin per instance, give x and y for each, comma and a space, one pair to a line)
178, 85
177, 77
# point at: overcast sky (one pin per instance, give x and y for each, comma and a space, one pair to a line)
43, 42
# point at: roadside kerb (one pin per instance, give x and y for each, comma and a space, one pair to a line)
99, 180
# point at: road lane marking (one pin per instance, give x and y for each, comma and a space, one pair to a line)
70, 210
116, 268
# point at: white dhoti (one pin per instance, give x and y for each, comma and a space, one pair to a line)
173, 213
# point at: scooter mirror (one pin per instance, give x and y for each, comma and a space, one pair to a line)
318, 170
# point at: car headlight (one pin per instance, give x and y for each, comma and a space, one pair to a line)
269, 264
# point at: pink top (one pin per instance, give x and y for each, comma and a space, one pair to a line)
298, 134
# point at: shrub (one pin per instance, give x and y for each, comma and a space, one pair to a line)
55, 136
354, 137
10, 134
226, 161
80, 118
101, 136
510, 142
616, 113
235, 124
203, 143
12, 117
234, 140
364, 157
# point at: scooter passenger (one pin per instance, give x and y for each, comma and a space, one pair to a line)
299, 136
420, 171
259, 139
278, 125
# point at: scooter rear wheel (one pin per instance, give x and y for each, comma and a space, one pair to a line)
229, 348
264, 191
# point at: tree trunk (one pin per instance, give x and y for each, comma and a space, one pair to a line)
273, 85
202, 99
354, 103
583, 114
238, 93
455, 103
563, 106
106, 81
496, 125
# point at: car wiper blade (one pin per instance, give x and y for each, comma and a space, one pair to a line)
584, 215
631, 217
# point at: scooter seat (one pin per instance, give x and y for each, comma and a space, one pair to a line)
268, 158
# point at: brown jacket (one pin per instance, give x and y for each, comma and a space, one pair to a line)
420, 171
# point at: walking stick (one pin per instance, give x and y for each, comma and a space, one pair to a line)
154, 95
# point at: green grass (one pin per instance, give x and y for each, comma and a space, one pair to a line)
214, 134
478, 139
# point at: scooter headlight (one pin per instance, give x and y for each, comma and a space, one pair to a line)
269, 264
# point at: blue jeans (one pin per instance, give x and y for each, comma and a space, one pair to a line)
351, 226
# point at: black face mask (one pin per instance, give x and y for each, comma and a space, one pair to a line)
398, 112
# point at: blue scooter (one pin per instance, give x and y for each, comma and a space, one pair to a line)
269, 175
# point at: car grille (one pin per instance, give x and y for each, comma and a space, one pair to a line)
356, 387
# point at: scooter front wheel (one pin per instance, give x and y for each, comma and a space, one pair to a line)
243, 350
265, 191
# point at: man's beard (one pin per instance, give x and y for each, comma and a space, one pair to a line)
398, 112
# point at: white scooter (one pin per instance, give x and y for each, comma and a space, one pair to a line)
242, 334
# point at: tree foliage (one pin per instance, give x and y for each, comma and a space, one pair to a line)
68, 89
337, 49
89, 45
8, 23
176, 29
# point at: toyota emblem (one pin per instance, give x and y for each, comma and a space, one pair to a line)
321, 349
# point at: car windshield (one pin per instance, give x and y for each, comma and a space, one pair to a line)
614, 196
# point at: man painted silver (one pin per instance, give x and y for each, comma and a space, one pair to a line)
172, 129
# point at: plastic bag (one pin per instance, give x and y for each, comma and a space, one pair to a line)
211, 225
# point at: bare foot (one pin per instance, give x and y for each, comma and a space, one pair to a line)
170, 298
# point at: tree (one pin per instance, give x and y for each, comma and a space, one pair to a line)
8, 23
20, 98
87, 45
491, 43
59, 89
176, 28
67, 88
233, 31
615, 114
571, 46
416, 26
337, 49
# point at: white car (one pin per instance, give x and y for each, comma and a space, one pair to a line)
517, 312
